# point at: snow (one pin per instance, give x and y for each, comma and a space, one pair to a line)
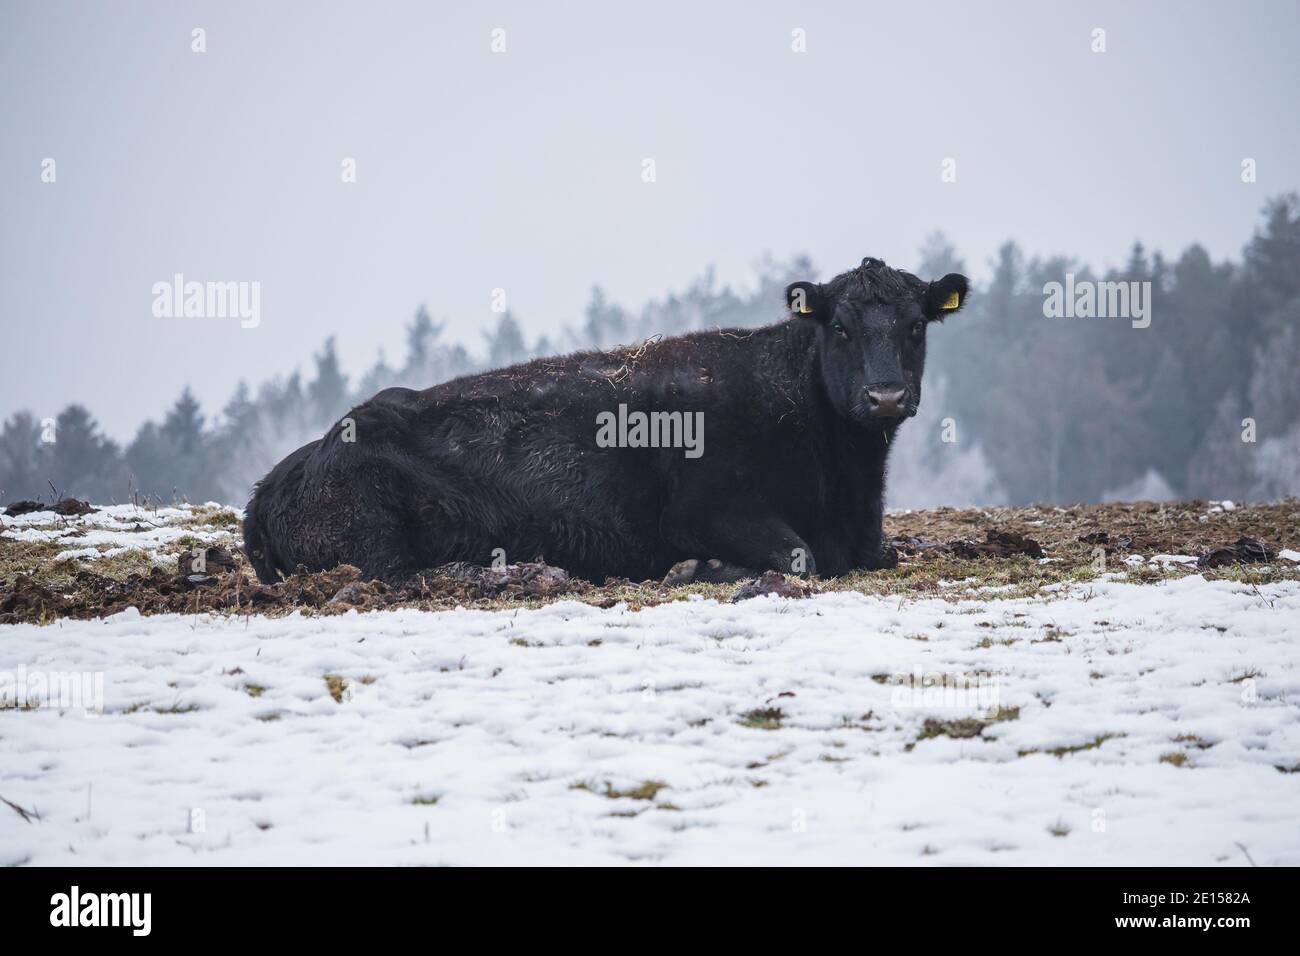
116, 529
492, 737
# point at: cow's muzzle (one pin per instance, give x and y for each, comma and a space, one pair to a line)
887, 401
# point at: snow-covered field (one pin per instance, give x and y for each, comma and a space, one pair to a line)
113, 530
771, 731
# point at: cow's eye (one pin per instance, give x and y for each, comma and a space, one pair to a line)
918, 330
839, 330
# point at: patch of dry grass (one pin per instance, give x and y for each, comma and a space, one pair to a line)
646, 790
763, 718
1060, 752
1143, 529
336, 685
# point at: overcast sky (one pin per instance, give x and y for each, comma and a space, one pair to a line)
523, 171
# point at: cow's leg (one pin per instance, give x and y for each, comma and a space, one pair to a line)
742, 545
872, 552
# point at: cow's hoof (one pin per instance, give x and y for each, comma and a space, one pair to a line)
713, 571
683, 572
721, 572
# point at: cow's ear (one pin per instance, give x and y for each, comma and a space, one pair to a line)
805, 299
945, 296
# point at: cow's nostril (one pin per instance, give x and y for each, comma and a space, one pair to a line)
886, 401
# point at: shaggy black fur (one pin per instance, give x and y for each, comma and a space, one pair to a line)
798, 417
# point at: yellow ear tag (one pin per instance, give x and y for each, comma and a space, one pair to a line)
952, 302
805, 311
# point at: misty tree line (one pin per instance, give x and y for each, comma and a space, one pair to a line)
1016, 407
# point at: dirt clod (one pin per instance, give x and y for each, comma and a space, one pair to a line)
998, 544
1245, 551
527, 579
773, 582
210, 561
64, 506
28, 600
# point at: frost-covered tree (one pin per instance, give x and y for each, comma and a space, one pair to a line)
935, 461
1223, 465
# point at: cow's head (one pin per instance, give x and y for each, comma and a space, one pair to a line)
871, 323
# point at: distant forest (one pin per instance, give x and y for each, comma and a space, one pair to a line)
1205, 403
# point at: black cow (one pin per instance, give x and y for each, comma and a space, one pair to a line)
759, 448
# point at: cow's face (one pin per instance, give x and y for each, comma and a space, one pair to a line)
871, 326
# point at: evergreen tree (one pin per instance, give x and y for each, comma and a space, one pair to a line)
605, 324
84, 463
328, 392
24, 459
1063, 409
939, 257
421, 335
506, 344
1272, 278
